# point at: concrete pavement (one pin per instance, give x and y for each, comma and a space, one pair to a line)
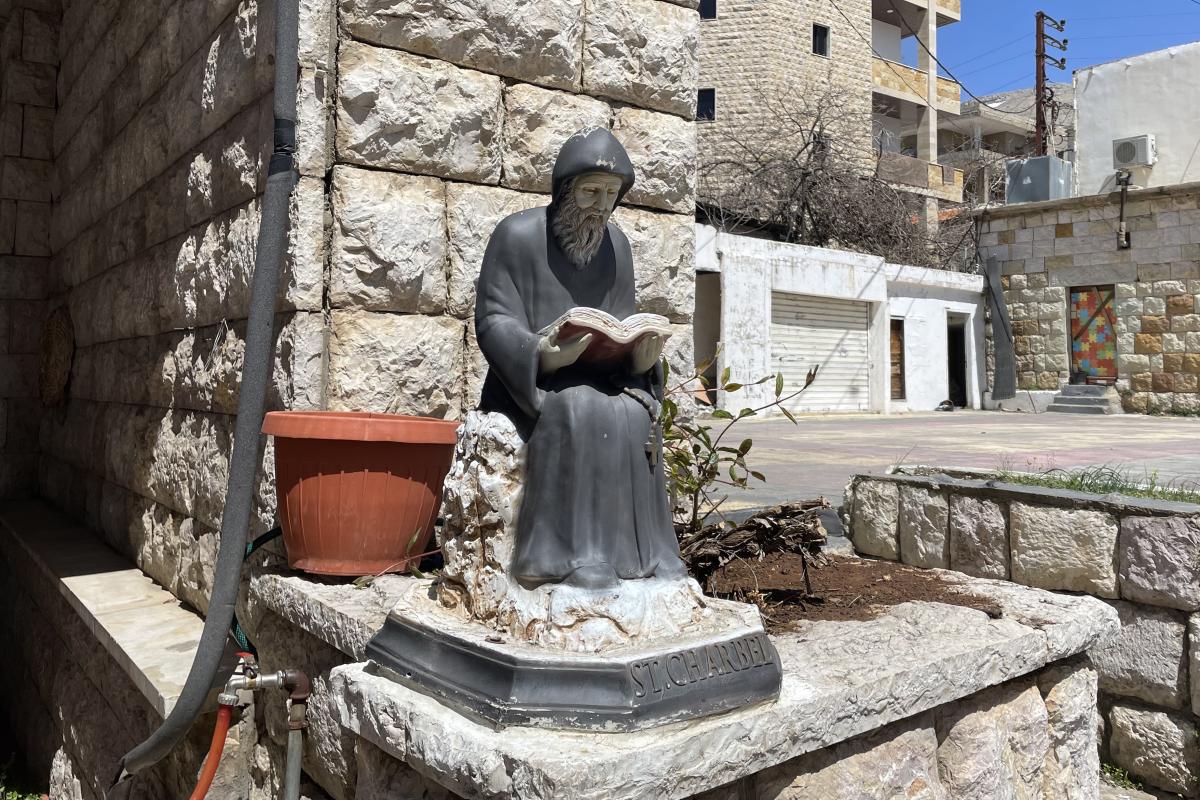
819, 454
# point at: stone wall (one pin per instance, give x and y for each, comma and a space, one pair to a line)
417, 134
28, 66
135, 136
1048, 248
1140, 556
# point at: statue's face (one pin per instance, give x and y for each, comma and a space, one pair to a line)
596, 193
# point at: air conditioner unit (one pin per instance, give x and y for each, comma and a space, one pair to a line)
1134, 151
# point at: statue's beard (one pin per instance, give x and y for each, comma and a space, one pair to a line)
579, 232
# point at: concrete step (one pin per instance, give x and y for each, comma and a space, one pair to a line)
1085, 400
1083, 390
1074, 409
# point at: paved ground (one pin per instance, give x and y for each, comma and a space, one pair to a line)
818, 456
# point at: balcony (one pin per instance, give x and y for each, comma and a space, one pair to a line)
910, 174
903, 82
948, 11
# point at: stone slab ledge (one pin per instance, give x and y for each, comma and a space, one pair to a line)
978, 482
841, 679
143, 627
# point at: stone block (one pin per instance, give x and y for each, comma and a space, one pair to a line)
26, 179
37, 137
536, 123
923, 525
395, 363
382, 777
994, 744
390, 251
1155, 324
536, 42
29, 84
1062, 549
1147, 659
1162, 382
979, 537
663, 260
1160, 559
403, 112
874, 519
472, 213
662, 148
314, 127
1160, 748
897, 761
642, 52
1072, 768
32, 234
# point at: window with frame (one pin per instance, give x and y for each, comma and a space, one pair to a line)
706, 105
820, 40
708, 9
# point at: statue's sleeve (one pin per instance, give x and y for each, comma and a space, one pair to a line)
501, 324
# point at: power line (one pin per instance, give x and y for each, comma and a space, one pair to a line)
1022, 37
949, 74
996, 64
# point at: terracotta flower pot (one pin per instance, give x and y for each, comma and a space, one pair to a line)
358, 493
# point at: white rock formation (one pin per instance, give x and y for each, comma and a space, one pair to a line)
1148, 658
924, 535
1160, 561
481, 500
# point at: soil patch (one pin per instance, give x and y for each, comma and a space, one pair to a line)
843, 588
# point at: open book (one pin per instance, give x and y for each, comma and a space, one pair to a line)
613, 338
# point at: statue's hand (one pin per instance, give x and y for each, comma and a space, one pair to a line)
553, 354
646, 353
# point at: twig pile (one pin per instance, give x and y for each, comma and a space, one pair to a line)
791, 527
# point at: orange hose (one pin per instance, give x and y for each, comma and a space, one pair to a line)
220, 731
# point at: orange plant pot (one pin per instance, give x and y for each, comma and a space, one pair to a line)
358, 493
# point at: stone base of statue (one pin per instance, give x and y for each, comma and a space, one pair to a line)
729, 664
641, 653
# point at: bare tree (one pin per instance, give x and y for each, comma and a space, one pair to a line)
804, 172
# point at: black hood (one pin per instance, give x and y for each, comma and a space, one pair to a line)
596, 150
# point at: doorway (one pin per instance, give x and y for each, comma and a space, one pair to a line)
1093, 335
956, 360
897, 359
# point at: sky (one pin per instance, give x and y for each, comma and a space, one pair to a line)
991, 49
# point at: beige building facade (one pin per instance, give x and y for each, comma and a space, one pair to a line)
761, 61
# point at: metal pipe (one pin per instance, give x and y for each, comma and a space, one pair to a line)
295, 755
256, 373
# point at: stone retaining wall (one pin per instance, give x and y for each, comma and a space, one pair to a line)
1141, 556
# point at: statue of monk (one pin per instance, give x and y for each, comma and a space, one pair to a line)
594, 509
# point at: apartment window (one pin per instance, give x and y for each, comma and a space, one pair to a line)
821, 40
706, 105
708, 9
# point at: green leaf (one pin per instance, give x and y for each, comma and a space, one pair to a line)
759, 475
725, 376
788, 414
666, 371
733, 387
812, 376
778, 384
745, 446
721, 413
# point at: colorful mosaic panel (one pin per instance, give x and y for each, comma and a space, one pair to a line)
1093, 332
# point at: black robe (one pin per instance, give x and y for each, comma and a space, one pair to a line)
592, 496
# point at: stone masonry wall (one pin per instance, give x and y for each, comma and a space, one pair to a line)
1140, 556
1048, 248
131, 197
28, 64
416, 137
757, 55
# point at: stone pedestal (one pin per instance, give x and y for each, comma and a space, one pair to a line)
725, 664
642, 653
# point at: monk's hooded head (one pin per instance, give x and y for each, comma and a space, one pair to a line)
591, 175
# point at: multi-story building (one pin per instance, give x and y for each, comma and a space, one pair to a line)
758, 54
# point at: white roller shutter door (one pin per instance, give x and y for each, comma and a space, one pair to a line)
808, 331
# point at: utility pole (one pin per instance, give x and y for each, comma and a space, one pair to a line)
1045, 96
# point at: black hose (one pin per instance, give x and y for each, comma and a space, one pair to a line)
256, 372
